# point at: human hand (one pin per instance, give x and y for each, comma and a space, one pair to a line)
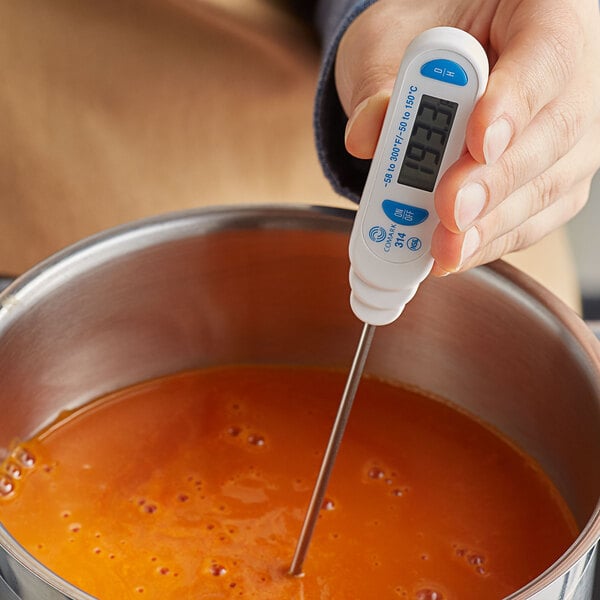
532, 139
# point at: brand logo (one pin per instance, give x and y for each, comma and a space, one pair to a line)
377, 233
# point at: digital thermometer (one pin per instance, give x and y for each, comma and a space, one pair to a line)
443, 74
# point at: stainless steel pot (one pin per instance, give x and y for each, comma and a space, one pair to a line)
269, 285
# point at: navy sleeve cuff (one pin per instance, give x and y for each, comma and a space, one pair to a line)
346, 174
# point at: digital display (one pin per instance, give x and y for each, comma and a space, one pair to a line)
427, 143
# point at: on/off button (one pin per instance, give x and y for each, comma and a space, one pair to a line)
445, 70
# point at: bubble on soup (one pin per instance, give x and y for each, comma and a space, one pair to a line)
234, 430
13, 470
217, 570
475, 559
428, 594
25, 457
256, 439
376, 473
6, 485
328, 504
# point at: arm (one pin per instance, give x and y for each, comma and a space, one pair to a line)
345, 172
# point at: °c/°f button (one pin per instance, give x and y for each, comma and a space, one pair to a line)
445, 70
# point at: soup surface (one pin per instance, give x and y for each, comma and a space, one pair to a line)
196, 485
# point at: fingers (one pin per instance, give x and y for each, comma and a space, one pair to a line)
533, 229
525, 216
470, 190
539, 45
549, 110
459, 252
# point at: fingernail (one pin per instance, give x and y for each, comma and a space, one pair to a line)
471, 243
354, 116
496, 139
470, 201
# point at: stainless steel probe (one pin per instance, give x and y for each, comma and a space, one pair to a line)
335, 439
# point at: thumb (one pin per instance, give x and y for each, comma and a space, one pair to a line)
365, 122
367, 63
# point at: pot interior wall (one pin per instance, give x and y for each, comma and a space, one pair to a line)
271, 286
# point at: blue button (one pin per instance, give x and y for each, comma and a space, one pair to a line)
404, 214
445, 70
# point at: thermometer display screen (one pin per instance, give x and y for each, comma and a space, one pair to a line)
427, 143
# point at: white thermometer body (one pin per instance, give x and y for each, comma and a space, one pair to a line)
443, 74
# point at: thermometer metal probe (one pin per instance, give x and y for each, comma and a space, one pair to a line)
443, 73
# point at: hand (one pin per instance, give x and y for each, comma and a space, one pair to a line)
533, 138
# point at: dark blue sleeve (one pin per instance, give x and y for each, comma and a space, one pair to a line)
346, 174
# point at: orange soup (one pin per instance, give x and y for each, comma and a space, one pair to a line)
196, 485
